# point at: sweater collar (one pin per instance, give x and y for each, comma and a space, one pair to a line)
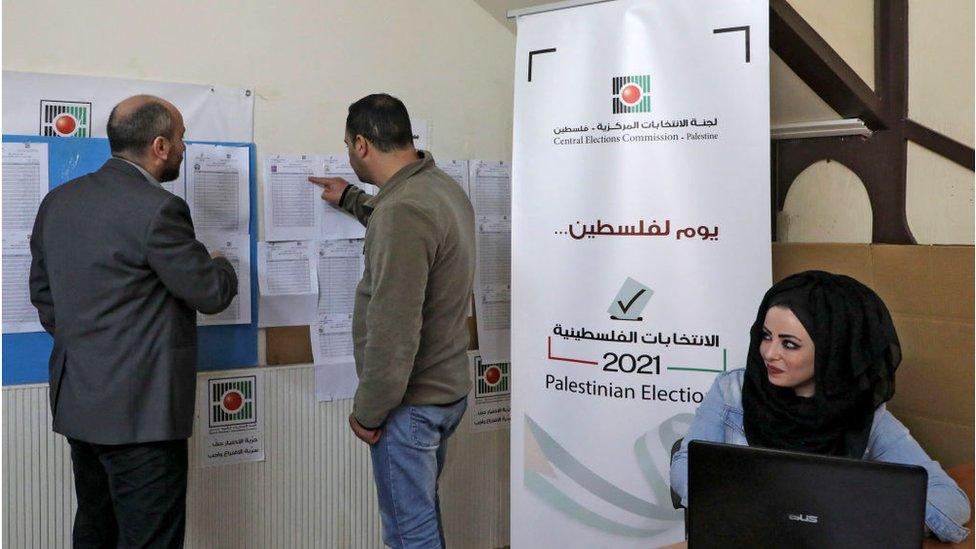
424, 162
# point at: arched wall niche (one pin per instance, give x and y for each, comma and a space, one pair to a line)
826, 202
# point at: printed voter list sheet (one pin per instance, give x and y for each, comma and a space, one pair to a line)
217, 188
290, 201
331, 339
491, 196
336, 381
25, 182
337, 165
491, 188
19, 315
340, 267
458, 170
334, 222
287, 283
237, 249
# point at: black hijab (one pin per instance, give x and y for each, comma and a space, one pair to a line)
856, 352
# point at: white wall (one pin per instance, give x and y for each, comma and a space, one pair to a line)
941, 72
940, 193
941, 66
824, 205
848, 26
448, 60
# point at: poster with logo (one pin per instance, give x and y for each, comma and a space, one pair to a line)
66, 105
230, 413
640, 250
490, 399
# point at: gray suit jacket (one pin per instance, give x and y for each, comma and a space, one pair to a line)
117, 277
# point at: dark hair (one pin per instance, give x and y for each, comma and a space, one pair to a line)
134, 132
382, 119
856, 353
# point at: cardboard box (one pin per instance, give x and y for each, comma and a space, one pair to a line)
929, 291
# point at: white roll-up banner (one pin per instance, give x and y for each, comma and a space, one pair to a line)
641, 249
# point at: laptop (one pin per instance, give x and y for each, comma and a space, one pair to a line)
755, 497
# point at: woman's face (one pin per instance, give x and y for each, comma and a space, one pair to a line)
787, 351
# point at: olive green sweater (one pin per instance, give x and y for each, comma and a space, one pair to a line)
409, 322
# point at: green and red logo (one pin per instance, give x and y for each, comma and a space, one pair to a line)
631, 94
65, 118
493, 379
232, 401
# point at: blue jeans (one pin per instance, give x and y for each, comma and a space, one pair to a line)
407, 461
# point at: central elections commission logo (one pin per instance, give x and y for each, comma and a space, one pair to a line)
492, 379
232, 401
65, 118
632, 94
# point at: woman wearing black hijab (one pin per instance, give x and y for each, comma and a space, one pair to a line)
821, 364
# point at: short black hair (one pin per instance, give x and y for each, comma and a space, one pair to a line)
136, 131
383, 120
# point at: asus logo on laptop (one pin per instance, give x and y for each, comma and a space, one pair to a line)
812, 519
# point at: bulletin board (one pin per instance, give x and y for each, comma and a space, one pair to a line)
25, 355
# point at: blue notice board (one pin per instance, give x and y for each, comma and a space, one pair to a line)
25, 356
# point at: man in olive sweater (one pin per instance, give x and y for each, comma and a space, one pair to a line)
409, 326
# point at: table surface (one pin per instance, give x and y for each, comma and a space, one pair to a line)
962, 474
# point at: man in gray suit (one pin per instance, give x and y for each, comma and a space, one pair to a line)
117, 277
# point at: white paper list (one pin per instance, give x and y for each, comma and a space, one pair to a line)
336, 381
19, 314
335, 223
25, 182
491, 197
458, 170
236, 249
287, 282
217, 188
491, 188
290, 200
330, 341
340, 267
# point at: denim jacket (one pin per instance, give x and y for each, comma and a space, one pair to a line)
719, 419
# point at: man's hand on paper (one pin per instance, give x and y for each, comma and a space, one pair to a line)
369, 436
332, 188
215, 254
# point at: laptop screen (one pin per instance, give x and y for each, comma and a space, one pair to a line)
740, 496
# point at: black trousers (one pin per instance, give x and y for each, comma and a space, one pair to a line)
129, 495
